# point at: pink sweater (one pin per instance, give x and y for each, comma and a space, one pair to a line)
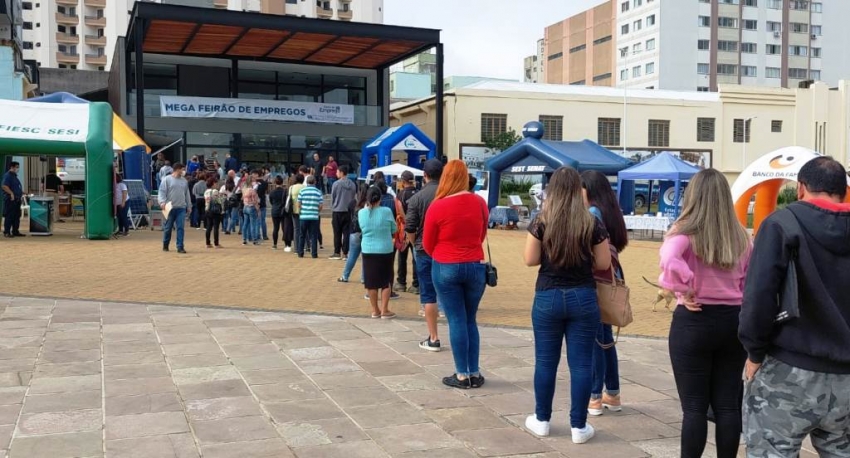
682, 271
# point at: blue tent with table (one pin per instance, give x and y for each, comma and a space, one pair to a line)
533, 155
665, 167
406, 138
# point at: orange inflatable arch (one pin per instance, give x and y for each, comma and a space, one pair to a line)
764, 178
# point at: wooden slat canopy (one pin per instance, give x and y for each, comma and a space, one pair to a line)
171, 29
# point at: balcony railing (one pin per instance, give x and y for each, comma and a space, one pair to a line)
95, 3
220, 3
63, 18
96, 40
324, 13
345, 14
67, 2
67, 38
96, 20
65, 57
96, 59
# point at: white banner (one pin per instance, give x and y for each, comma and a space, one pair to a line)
266, 110
44, 121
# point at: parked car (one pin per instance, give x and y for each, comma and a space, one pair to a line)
641, 192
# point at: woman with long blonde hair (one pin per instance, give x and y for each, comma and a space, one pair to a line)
455, 227
704, 261
568, 243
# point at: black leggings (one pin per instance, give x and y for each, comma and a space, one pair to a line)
708, 361
277, 221
213, 222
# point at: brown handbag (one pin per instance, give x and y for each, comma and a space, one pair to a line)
613, 297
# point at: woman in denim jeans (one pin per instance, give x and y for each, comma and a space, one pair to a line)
568, 243
455, 227
602, 203
251, 212
354, 238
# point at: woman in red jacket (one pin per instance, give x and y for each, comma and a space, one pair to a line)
455, 228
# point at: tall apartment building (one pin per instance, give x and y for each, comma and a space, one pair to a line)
579, 49
534, 70
695, 45
698, 44
81, 34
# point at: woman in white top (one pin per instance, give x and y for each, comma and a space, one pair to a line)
213, 210
120, 197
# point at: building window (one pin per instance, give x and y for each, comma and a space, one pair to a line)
492, 125
624, 74
799, 27
702, 69
773, 49
741, 130
705, 21
650, 20
800, 5
577, 83
27, 45
798, 73
729, 2
817, 30
624, 51
659, 132
726, 45
816, 52
650, 44
774, 26
26, 5
27, 25
650, 68
774, 4
577, 48
749, 48
624, 29
637, 48
702, 89
553, 127
817, 7
814, 75
749, 70
625, 6
705, 129
601, 77
798, 50
776, 126
727, 69
772, 72
636, 72
751, 24
608, 131
727, 22
602, 40
555, 56
703, 45
638, 3
753, 3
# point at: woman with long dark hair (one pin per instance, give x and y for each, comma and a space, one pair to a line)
568, 243
455, 227
354, 239
377, 227
278, 198
213, 210
602, 203
704, 260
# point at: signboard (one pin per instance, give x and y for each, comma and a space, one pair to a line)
262, 110
410, 143
476, 157
45, 121
668, 196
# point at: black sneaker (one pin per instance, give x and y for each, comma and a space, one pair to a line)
455, 382
430, 345
394, 296
477, 381
181, 251
165, 248
8, 236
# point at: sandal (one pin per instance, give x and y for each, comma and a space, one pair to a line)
388, 316
376, 315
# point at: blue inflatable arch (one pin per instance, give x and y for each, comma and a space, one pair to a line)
407, 138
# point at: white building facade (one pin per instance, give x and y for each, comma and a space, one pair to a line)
533, 71
81, 34
700, 44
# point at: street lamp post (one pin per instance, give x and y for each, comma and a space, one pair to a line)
744, 155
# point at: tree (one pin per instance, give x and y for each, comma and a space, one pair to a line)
503, 141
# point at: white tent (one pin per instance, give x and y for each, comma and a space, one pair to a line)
394, 170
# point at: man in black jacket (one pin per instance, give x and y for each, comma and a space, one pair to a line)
405, 194
798, 371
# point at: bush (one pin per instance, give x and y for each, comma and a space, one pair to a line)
787, 195
519, 187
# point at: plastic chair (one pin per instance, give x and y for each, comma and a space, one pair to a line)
25, 206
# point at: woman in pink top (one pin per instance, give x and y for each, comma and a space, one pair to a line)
704, 261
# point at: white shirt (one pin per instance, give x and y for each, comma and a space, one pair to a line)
118, 195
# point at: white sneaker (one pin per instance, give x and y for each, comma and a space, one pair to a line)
539, 428
288, 250
582, 435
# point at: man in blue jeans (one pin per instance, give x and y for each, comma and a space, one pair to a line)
174, 190
415, 221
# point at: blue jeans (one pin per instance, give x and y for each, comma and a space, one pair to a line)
424, 264
176, 218
309, 229
353, 254
558, 314
249, 224
330, 183
262, 227
234, 220
606, 369
459, 289
123, 216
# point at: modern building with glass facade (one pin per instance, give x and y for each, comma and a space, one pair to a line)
270, 90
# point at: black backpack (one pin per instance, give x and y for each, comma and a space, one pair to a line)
215, 206
234, 200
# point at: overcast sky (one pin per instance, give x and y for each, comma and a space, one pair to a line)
485, 37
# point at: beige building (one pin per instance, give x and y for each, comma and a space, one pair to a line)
533, 65
580, 49
726, 130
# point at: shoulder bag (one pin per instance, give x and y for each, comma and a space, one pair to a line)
613, 297
491, 273
789, 296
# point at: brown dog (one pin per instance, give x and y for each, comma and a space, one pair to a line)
661, 294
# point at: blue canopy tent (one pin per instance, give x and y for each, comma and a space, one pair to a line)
663, 167
532, 155
407, 138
